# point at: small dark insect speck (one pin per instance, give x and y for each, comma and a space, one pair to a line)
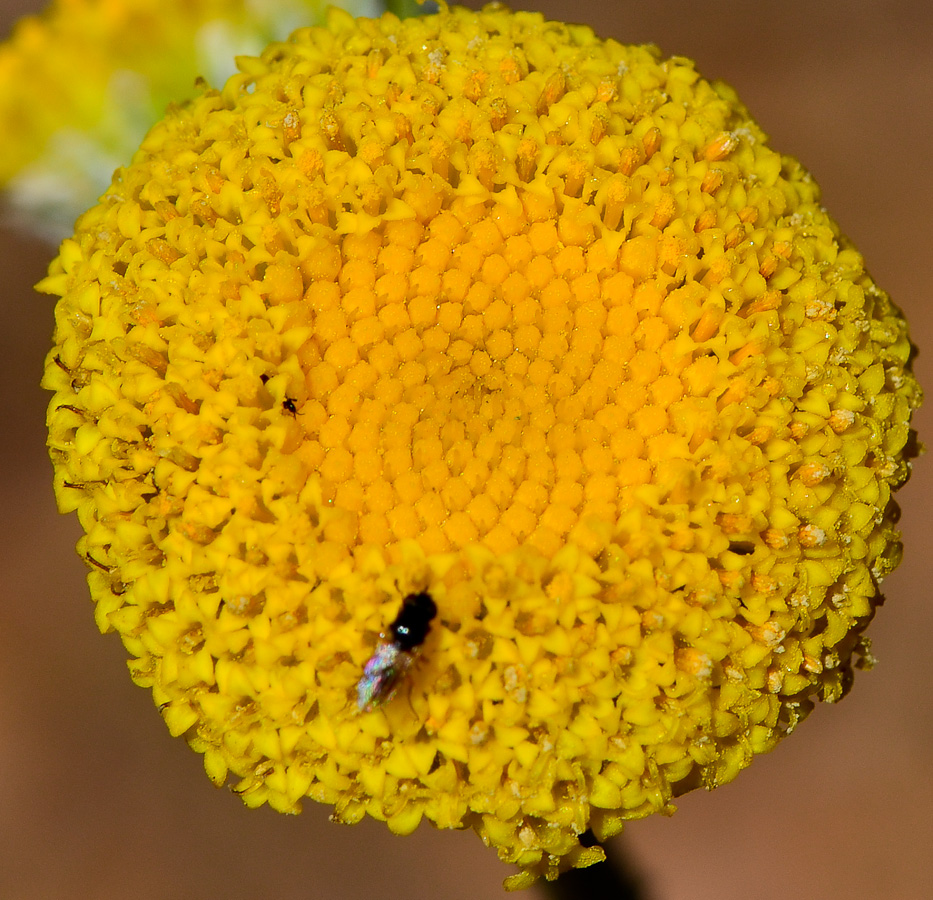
289, 406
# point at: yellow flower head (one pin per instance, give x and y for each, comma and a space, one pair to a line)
81, 84
481, 307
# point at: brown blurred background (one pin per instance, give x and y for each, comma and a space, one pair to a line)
97, 801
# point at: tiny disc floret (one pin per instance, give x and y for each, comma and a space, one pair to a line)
481, 307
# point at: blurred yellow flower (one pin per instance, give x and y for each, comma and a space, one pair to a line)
481, 307
82, 83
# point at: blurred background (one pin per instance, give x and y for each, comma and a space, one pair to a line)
97, 801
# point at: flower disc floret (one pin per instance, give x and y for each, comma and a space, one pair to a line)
481, 306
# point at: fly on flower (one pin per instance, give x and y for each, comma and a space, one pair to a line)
396, 651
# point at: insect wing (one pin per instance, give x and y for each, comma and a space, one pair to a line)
381, 676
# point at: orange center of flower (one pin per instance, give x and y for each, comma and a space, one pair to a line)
459, 383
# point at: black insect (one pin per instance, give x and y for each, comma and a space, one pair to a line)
396, 651
289, 406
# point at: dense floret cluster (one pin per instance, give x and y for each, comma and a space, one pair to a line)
481, 306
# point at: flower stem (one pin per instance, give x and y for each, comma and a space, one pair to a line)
609, 880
